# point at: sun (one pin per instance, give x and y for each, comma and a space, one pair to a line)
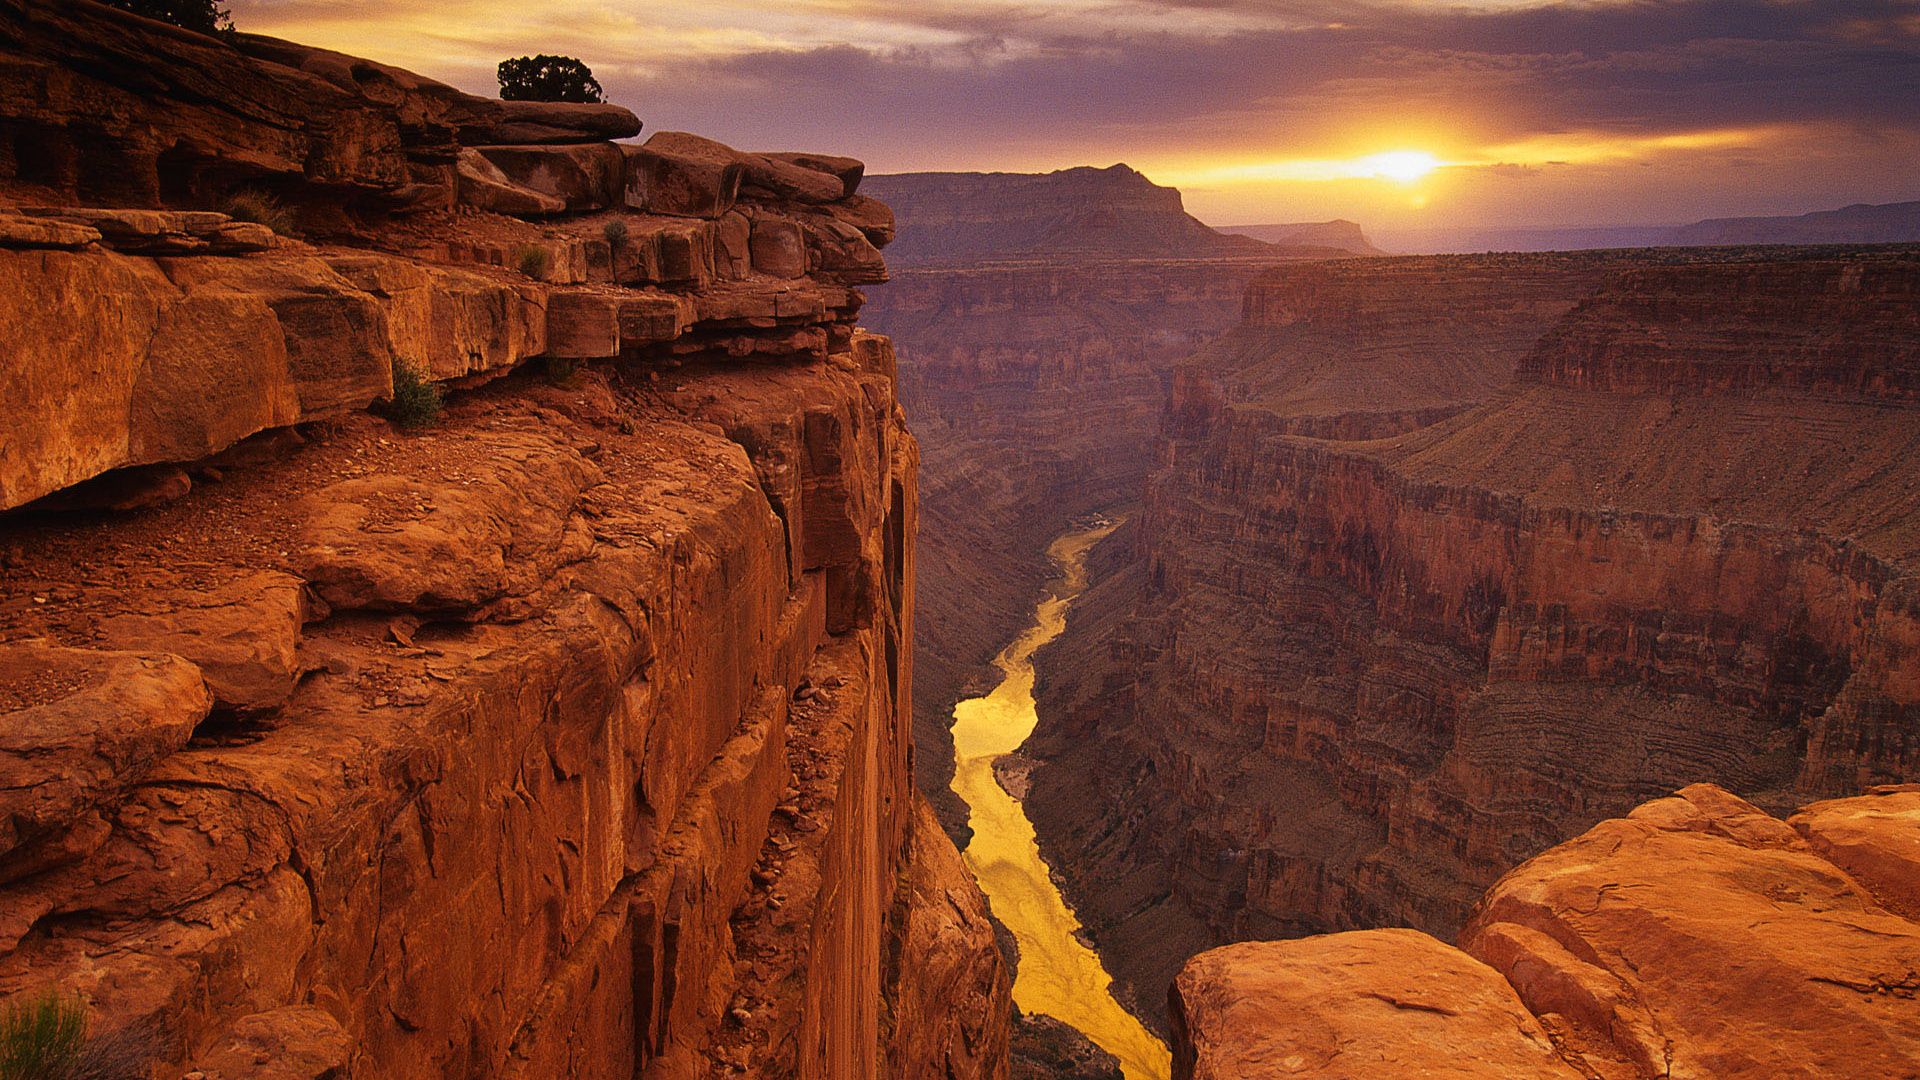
1404, 166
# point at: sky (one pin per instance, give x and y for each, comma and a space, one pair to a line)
1401, 114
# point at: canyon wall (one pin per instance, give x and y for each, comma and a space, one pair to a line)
1695, 937
566, 732
1385, 628
1034, 390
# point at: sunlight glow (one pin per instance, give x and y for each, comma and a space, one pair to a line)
1404, 166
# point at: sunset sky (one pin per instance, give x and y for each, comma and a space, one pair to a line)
1400, 113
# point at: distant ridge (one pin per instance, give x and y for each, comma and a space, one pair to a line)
1861, 223
1110, 212
1339, 233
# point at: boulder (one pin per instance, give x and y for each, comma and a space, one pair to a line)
244, 635
297, 1042
588, 176
1700, 937
79, 725
778, 247
396, 543
682, 175
847, 170
551, 122
583, 324
483, 186
872, 217
1874, 837
1365, 1004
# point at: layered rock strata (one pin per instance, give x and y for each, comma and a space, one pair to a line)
566, 735
1034, 390
1367, 647
1695, 937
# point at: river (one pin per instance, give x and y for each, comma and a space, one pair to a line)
1059, 975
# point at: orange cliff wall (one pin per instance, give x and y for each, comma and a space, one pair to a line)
1330, 684
567, 736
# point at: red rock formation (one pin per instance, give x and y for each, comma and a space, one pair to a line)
1348, 683
1696, 937
567, 736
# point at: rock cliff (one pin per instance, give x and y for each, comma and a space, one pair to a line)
1695, 937
1385, 627
566, 735
1083, 212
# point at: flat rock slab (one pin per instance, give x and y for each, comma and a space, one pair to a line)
1366, 1005
245, 636
298, 1042
78, 725
399, 543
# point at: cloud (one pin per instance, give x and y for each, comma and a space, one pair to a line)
1177, 84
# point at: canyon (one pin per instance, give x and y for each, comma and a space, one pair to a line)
1446, 560
560, 731
490, 591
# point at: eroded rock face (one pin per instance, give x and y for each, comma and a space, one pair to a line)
1367, 1002
1371, 644
566, 735
1696, 937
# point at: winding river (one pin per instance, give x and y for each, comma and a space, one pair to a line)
1059, 975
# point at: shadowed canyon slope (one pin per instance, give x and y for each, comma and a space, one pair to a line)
1385, 627
566, 736
1036, 336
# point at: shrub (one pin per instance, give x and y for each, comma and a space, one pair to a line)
615, 232
199, 15
534, 261
561, 370
417, 400
548, 78
41, 1036
261, 209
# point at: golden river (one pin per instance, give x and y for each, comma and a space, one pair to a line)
1058, 976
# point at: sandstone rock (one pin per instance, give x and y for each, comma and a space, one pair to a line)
80, 725
1873, 838
133, 488
17, 231
244, 636
872, 217
1369, 1003
525, 122
297, 1042
778, 247
165, 232
483, 186
401, 544
950, 1007
589, 176
683, 175
1701, 937
583, 323
843, 252
846, 169
770, 177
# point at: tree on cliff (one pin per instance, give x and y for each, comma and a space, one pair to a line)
548, 78
201, 15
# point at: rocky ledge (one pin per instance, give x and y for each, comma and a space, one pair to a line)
1695, 937
564, 730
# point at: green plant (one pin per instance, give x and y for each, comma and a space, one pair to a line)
417, 400
533, 261
548, 78
41, 1036
615, 232
201, 15
259, 208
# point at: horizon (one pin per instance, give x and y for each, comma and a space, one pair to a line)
1398, 114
